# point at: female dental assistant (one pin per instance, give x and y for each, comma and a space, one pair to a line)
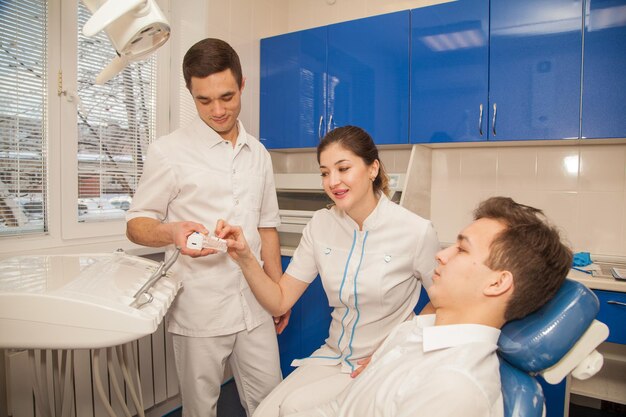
372, 256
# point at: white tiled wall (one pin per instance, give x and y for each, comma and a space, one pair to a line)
581, 188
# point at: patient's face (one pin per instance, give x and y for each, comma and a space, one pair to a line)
461, 273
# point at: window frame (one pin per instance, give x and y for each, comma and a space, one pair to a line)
65, 233
72, 229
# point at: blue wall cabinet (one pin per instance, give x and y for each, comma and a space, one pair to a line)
368, 76
449, 72
499, 70
355, 72
604, 79
293, 83
535, 55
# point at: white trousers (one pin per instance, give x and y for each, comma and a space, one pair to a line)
306, 387
200, 361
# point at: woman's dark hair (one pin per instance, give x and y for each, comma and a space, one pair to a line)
210, 56
360, 143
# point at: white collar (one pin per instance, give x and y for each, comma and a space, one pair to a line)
205, 132
372, 220
445, 336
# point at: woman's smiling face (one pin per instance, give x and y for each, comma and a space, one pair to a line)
347, 180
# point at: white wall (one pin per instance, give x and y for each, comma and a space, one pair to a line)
304, 14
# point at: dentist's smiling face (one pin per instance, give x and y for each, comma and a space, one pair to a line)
347, 180
218, 102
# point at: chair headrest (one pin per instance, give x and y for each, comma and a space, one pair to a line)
540, 339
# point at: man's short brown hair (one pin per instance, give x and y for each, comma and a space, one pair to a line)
210, 56
531, 249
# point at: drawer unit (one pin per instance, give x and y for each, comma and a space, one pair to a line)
613, 314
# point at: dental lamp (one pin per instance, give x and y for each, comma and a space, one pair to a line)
136, 28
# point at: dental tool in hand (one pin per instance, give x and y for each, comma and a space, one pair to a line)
199, 241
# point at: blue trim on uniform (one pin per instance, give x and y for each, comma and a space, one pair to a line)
356, 303
343, 281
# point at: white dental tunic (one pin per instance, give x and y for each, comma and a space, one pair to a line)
372, 277
426, 370
193, 174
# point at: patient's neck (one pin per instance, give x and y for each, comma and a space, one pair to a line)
468, 315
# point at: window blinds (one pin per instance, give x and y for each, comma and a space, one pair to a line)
23, 147
116, 122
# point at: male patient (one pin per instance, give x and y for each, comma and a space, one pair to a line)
504, 265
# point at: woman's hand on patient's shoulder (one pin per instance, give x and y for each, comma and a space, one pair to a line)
363, 362
238, 248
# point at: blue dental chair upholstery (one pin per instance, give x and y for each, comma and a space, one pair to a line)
557, 340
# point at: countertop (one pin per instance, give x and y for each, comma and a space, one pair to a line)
598, 283
287, 250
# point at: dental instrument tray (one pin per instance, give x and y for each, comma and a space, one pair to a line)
614, 270
82, 301
619, 273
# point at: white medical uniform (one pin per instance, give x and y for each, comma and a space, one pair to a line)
426, 370
193, 174
372, 278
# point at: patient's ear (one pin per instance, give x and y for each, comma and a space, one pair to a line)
501, 282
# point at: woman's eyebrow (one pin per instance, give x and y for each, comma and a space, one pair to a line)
336, 163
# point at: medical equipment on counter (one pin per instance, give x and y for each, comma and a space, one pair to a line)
557, 340
136, 28
88, 301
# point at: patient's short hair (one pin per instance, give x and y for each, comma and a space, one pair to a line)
531, 249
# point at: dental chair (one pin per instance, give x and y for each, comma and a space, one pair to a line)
557, 340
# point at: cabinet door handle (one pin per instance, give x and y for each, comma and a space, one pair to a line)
319, 128
493, 121
480, 120
330, 124
619, 303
